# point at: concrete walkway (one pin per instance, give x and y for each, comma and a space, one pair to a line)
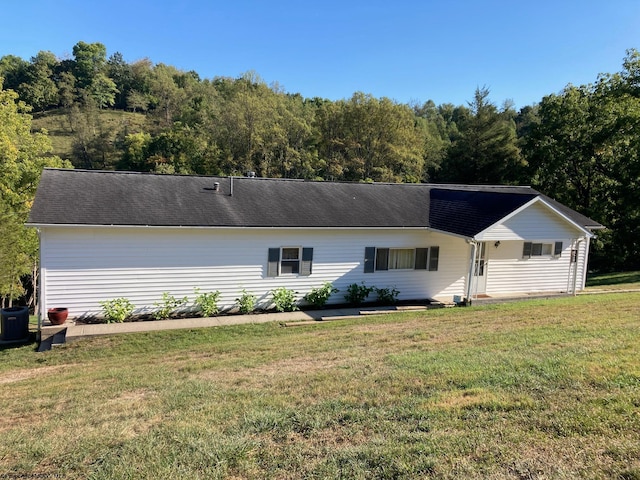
79, 330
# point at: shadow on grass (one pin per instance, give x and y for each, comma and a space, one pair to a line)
598, 280
19, 343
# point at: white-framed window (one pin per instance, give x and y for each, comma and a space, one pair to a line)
383, 258
289, 261
531, 249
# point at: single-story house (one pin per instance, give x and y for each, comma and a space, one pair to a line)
106, 234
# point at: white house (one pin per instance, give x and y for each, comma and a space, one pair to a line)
106, 235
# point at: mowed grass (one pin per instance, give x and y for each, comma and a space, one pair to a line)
614, 281
536, 389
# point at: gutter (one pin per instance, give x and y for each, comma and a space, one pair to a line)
472, 263
575, 265
220, 227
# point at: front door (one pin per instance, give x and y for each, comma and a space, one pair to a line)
480, 271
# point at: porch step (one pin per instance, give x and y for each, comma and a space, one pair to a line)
58, 338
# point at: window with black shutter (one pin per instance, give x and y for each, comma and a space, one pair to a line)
422, 258
383, 259
531, 249
434, 257
557, 250
289, 261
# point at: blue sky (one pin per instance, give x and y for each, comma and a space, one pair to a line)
407, 50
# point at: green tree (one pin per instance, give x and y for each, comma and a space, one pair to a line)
165, 92
39, 88
90, 59
484, 149
120, 72
135, 152
373, 139
103, 90
435, 131
23, 155
13, 70
585, 152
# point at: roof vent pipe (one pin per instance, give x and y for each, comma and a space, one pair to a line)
231, 186
216, 186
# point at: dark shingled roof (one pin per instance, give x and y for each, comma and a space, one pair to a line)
91, 197
468, 212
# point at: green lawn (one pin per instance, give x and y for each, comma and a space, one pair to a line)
57, 124
618, 280
536, 389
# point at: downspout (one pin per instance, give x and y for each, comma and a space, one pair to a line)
587, 249
472, 264
38, 290
575, 267
570, 269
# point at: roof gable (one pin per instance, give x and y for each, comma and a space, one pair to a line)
536, 220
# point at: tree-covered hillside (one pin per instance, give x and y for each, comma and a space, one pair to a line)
580, 145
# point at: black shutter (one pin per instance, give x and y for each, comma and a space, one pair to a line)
433, 259
558, 249
382, 259
526, 250
274, 260
421, 258
307, 261
369, 259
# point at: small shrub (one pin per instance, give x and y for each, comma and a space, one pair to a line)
207, 302
284, 299
167, 306
356, 294
246, 302
318, 297
387, 296
117, 310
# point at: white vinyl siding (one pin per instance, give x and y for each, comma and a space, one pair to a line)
508, 272
83, 266
535, 223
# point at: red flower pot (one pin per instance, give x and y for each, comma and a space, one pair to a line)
57, 316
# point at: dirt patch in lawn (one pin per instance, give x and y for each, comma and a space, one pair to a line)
19, 375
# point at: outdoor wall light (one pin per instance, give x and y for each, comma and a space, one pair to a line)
497, 244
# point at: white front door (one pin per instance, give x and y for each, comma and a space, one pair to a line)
480, 270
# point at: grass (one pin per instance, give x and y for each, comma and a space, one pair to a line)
59, 130
537, 389
618, 280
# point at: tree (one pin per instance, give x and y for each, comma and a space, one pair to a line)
13, 70
23, 155
137, 101
436, 132
585, 151
166, 95
485, 149
103, 90
121, 74
89, 60
39, 88
373, 139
